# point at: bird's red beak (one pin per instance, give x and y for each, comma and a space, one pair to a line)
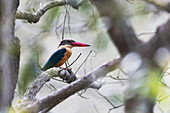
78, 44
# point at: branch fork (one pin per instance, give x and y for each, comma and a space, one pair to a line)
30, 104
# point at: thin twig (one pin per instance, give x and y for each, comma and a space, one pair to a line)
58, 25
75, 60
64, 30
98, 37
83, 61
116, 78
18, 94
93, 56
49, 87
95, 20
160, 109
96, 109
69, 23
118, 99
84, 69
59, 80
81, 94
163, 73
64, 22
37, 60
53, 87
114, 107
163, 98
106, 99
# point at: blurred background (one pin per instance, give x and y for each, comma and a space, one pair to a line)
40, 40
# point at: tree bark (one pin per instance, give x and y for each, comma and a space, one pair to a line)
30, 105
9, 53
124, 37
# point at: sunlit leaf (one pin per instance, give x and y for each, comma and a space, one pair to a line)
152, 83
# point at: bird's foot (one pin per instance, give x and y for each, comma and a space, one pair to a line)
67, 75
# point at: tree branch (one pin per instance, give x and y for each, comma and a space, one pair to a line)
34, 17
160, 39
126, 41
55, 98
9, 53
121, 32
39, 82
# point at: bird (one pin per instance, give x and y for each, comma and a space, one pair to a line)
62, 54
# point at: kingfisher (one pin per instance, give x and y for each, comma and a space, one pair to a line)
62, 54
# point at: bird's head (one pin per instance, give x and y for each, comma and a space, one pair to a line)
72, 43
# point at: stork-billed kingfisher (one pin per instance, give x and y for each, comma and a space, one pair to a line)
62, 54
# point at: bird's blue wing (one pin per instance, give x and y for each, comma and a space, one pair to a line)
54, 59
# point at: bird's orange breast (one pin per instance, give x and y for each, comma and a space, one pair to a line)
65, 58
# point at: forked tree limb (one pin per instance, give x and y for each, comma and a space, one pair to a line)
34, 17
124, 37
55, 98
160, 39
121, 32
126, 42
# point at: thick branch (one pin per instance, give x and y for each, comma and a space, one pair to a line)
34, 17
120, 30
39, 82
126, 41
55, 98
9, 53
65, 75
160, 39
